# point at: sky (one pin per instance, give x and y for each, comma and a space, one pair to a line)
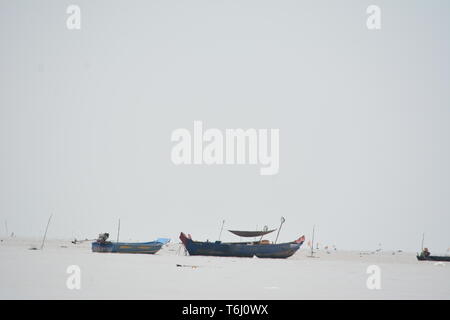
86, 118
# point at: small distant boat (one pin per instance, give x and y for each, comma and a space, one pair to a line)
260, 249
433, 258
102, 245
425, 255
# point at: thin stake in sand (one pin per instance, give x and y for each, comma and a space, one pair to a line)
46, 229
312, 243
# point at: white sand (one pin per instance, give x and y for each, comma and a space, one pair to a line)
27, 274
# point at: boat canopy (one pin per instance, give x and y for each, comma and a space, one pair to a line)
250, 234
163, 240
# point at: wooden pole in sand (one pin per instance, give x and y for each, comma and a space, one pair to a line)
6, 227
312, 242
220, 234
118, 231
45, 234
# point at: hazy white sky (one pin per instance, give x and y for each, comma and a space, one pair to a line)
86, 118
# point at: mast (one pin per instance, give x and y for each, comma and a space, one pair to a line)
220, 234
45, 234
423, 238
6, 227
264, 229
279, 229
118, 231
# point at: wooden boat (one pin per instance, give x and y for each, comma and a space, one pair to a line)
101, 245
261, 249
433, 258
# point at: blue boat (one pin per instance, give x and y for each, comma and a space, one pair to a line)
260, 249
102, 245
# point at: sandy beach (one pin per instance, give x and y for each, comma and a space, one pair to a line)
42, 274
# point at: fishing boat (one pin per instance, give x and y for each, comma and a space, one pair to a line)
102, 245
260, 249
425, 255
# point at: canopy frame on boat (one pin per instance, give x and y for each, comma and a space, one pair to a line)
251, 234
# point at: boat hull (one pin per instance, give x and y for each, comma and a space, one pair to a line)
240, 249
124, 247
434, 258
